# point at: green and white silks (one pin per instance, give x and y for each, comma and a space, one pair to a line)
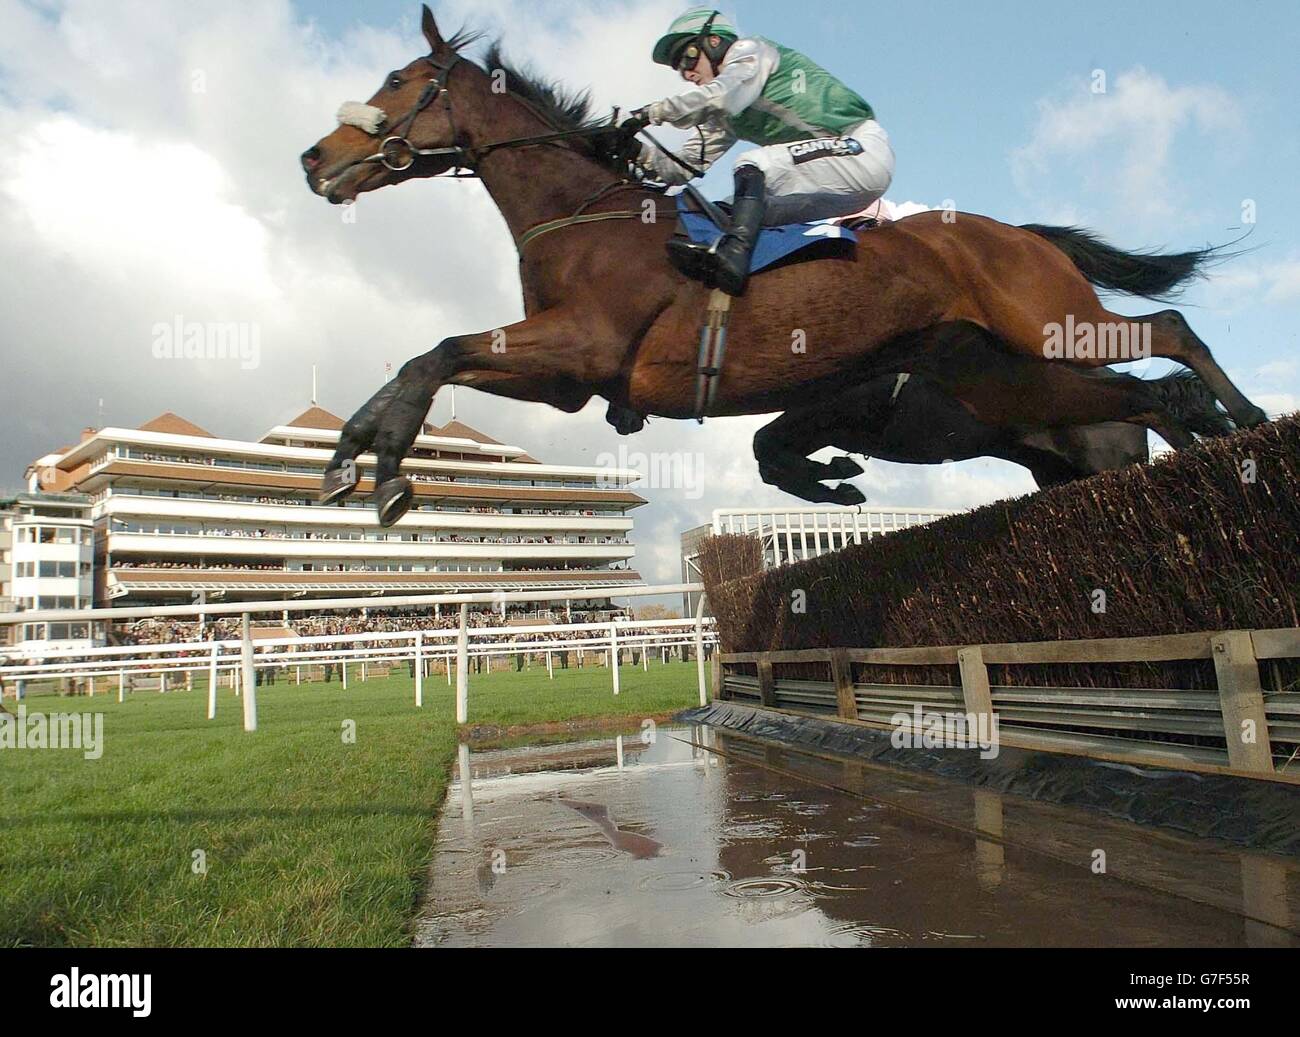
821, 149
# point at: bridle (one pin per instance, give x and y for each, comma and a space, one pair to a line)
397, 154
397, 143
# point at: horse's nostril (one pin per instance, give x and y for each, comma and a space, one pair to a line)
311, 159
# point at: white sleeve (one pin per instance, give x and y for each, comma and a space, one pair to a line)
712, 139
744, 73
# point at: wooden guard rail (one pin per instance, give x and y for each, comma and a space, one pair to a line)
1242, 722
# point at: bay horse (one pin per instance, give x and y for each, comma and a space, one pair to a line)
607, 315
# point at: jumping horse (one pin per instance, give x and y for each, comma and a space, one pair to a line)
959, 299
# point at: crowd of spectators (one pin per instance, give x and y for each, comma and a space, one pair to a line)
322, 624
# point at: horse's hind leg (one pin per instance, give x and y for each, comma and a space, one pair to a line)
1014, 390
1172, 337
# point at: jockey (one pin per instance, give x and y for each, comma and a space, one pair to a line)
822, 154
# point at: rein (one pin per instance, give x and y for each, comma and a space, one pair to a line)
398, 154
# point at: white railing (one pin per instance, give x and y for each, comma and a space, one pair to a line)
795, 534
239, 659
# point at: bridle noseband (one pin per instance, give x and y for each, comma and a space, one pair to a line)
398, 154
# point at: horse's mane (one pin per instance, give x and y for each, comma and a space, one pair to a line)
562, 107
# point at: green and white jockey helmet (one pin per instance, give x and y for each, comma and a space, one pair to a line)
693, 26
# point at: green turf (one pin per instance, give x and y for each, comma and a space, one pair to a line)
308, 840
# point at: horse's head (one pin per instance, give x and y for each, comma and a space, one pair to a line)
373, 147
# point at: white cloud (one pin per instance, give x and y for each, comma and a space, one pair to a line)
1251, 283
1119, 145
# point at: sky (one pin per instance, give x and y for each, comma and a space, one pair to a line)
150, 172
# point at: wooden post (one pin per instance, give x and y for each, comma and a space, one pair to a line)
121, 685
766, 683
1245, 726
550, 667
462, 666
699, 653
246, 659
716, 665
842, 676
975, 682
613, 654
212, 683
419, 669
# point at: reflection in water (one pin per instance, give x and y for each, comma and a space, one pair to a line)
632, 843
725, 841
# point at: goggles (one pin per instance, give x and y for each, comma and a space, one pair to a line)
688, 58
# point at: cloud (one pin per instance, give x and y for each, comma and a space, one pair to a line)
1120, 145
1249, 284
151, 171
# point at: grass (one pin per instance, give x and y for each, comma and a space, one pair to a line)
309, 841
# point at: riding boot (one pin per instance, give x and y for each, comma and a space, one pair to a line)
725, 264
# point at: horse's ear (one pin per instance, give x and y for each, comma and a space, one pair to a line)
430, 29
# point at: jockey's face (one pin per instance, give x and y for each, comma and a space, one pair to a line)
702, 71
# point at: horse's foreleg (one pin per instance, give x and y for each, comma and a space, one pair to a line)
781, 448
544, 351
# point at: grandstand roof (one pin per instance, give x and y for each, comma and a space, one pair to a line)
317, 417
175, 425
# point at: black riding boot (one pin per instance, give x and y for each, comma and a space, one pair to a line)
725, 265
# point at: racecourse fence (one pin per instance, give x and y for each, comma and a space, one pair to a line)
238, 660
1239, 726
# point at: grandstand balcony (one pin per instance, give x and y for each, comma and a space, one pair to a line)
130, 506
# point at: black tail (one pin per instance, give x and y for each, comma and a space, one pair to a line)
1148, 274
1191, 402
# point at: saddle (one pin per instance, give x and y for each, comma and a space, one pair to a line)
699, 222
704, 222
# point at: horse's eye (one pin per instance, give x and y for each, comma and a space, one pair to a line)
394, 82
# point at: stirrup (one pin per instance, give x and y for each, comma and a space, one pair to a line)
694, 260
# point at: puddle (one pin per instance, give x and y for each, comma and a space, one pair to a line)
704, 838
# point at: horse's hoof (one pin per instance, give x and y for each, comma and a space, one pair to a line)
843, 467
393, 500
625, 420
337, 484
1253, 416
847, 495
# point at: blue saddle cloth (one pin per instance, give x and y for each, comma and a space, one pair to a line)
774, 243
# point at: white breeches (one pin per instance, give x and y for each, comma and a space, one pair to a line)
824, 178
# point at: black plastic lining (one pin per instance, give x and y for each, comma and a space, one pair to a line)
1258, 814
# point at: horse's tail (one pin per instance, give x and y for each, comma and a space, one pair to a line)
1191, 402
1152, 275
